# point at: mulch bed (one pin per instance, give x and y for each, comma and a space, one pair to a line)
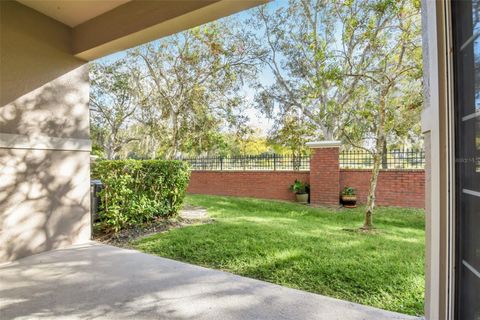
188, 216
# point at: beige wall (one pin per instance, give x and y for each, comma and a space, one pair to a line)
44, 132
44, 200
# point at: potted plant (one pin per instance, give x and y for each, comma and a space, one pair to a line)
301, 191
349, 197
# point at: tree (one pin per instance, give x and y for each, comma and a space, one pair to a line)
174, 96
309, 61
391, 86
113, 104
191, 84
352, 68
292, 133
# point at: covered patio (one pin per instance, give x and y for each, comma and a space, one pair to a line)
48, 266
51, 270
99, 281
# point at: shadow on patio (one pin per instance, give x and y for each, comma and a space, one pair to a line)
99, 281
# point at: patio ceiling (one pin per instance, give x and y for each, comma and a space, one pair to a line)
72, 12
101, 27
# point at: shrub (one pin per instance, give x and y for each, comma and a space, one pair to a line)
139, 191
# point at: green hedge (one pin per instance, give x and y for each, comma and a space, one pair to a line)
139, 191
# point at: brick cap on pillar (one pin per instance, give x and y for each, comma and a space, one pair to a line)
324, 144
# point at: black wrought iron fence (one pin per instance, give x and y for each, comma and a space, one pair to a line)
351, 159
393, 159
266, 162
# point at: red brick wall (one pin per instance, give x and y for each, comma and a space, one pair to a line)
324, 176
402, 188
256, 184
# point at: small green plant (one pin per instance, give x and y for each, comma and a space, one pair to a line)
348, 191
299, 187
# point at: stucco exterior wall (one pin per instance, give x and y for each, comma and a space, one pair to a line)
44, 201
44, 135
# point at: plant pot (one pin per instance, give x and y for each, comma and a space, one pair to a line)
301, 197
349, 201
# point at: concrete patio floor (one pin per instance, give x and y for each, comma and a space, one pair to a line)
104, 282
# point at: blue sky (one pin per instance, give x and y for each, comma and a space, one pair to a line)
257, 119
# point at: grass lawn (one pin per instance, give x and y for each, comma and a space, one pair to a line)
307, 248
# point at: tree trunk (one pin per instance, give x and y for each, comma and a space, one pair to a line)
377, 163
174, 145
384, 155
377, 160
110, 148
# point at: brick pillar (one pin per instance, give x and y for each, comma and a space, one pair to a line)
324, 173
